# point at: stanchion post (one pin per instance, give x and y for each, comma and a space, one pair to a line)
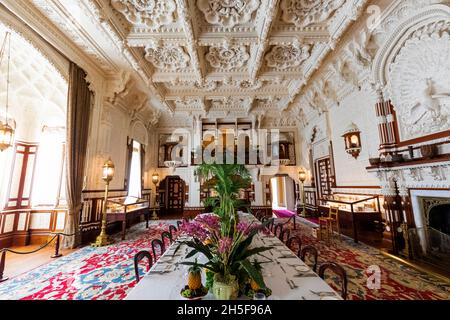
2, 266
57, 244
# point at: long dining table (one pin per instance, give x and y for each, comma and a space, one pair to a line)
284, 273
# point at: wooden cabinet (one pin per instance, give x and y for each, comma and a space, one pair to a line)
172, 193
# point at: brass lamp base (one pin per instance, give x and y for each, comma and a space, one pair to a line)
155, 215
102, 240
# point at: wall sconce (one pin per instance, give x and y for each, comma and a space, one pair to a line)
352, 140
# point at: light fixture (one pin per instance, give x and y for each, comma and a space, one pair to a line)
302, 178
108, 171
6, 130
155, 180
302, 175
352, 140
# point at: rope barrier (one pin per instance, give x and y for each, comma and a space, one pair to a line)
57, 236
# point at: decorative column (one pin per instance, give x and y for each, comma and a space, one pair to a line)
386, 124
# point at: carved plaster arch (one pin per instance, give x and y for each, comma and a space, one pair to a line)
392, 46
58, 62
139, 132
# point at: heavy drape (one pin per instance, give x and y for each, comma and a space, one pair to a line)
78, 115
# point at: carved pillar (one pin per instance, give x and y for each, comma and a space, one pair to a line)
386, 124
394, 214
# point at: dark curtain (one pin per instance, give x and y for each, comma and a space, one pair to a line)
78, 116
142, 166
129, 158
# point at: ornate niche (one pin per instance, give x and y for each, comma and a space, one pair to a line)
419, 82
228, 13
151, 13
303, 13
172, 148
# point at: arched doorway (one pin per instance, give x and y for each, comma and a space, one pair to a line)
33, 177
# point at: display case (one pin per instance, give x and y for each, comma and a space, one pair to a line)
124, 209
359, 216
126, 204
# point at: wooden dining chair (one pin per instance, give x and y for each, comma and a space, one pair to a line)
167, 235
140, 256
291, 243
312, 252
278, 230
285, 236
339, 271
173, 231
162, 247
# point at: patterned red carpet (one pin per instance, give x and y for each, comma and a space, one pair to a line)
108, 273
397, 281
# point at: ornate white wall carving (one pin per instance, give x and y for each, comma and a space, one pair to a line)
420, 83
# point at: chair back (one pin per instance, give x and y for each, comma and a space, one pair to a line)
333, 213
167, 235
138, 257
278, 230
291, 242
312, 252
155, 243
173, 231
285, 235
339, 271
179, 224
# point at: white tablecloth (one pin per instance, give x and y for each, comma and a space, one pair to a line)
156, 285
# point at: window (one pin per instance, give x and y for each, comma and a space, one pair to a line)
49, 173
135, 184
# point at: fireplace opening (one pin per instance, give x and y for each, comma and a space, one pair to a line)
439, 228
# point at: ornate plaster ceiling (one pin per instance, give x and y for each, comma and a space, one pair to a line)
217, 58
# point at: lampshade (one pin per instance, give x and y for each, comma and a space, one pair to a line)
108, 170
6, 136
302, 175
155, 178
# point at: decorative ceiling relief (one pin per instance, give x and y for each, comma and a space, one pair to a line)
228, 13
228, 57
305, 12
289, 56
420, 84
168, 58
152, 13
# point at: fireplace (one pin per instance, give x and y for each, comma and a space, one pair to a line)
430, 240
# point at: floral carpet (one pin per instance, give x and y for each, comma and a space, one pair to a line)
90, 273
108, 273
397, 281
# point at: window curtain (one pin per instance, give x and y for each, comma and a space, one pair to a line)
142, 166
78, 116
129, 159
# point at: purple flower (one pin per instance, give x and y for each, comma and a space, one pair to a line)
196, 230
245, 228
210, 221
225, 245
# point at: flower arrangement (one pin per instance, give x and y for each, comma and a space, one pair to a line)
222, 238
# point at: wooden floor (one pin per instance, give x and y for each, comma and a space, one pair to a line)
17, 264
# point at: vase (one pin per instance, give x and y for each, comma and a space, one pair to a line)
225, 290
